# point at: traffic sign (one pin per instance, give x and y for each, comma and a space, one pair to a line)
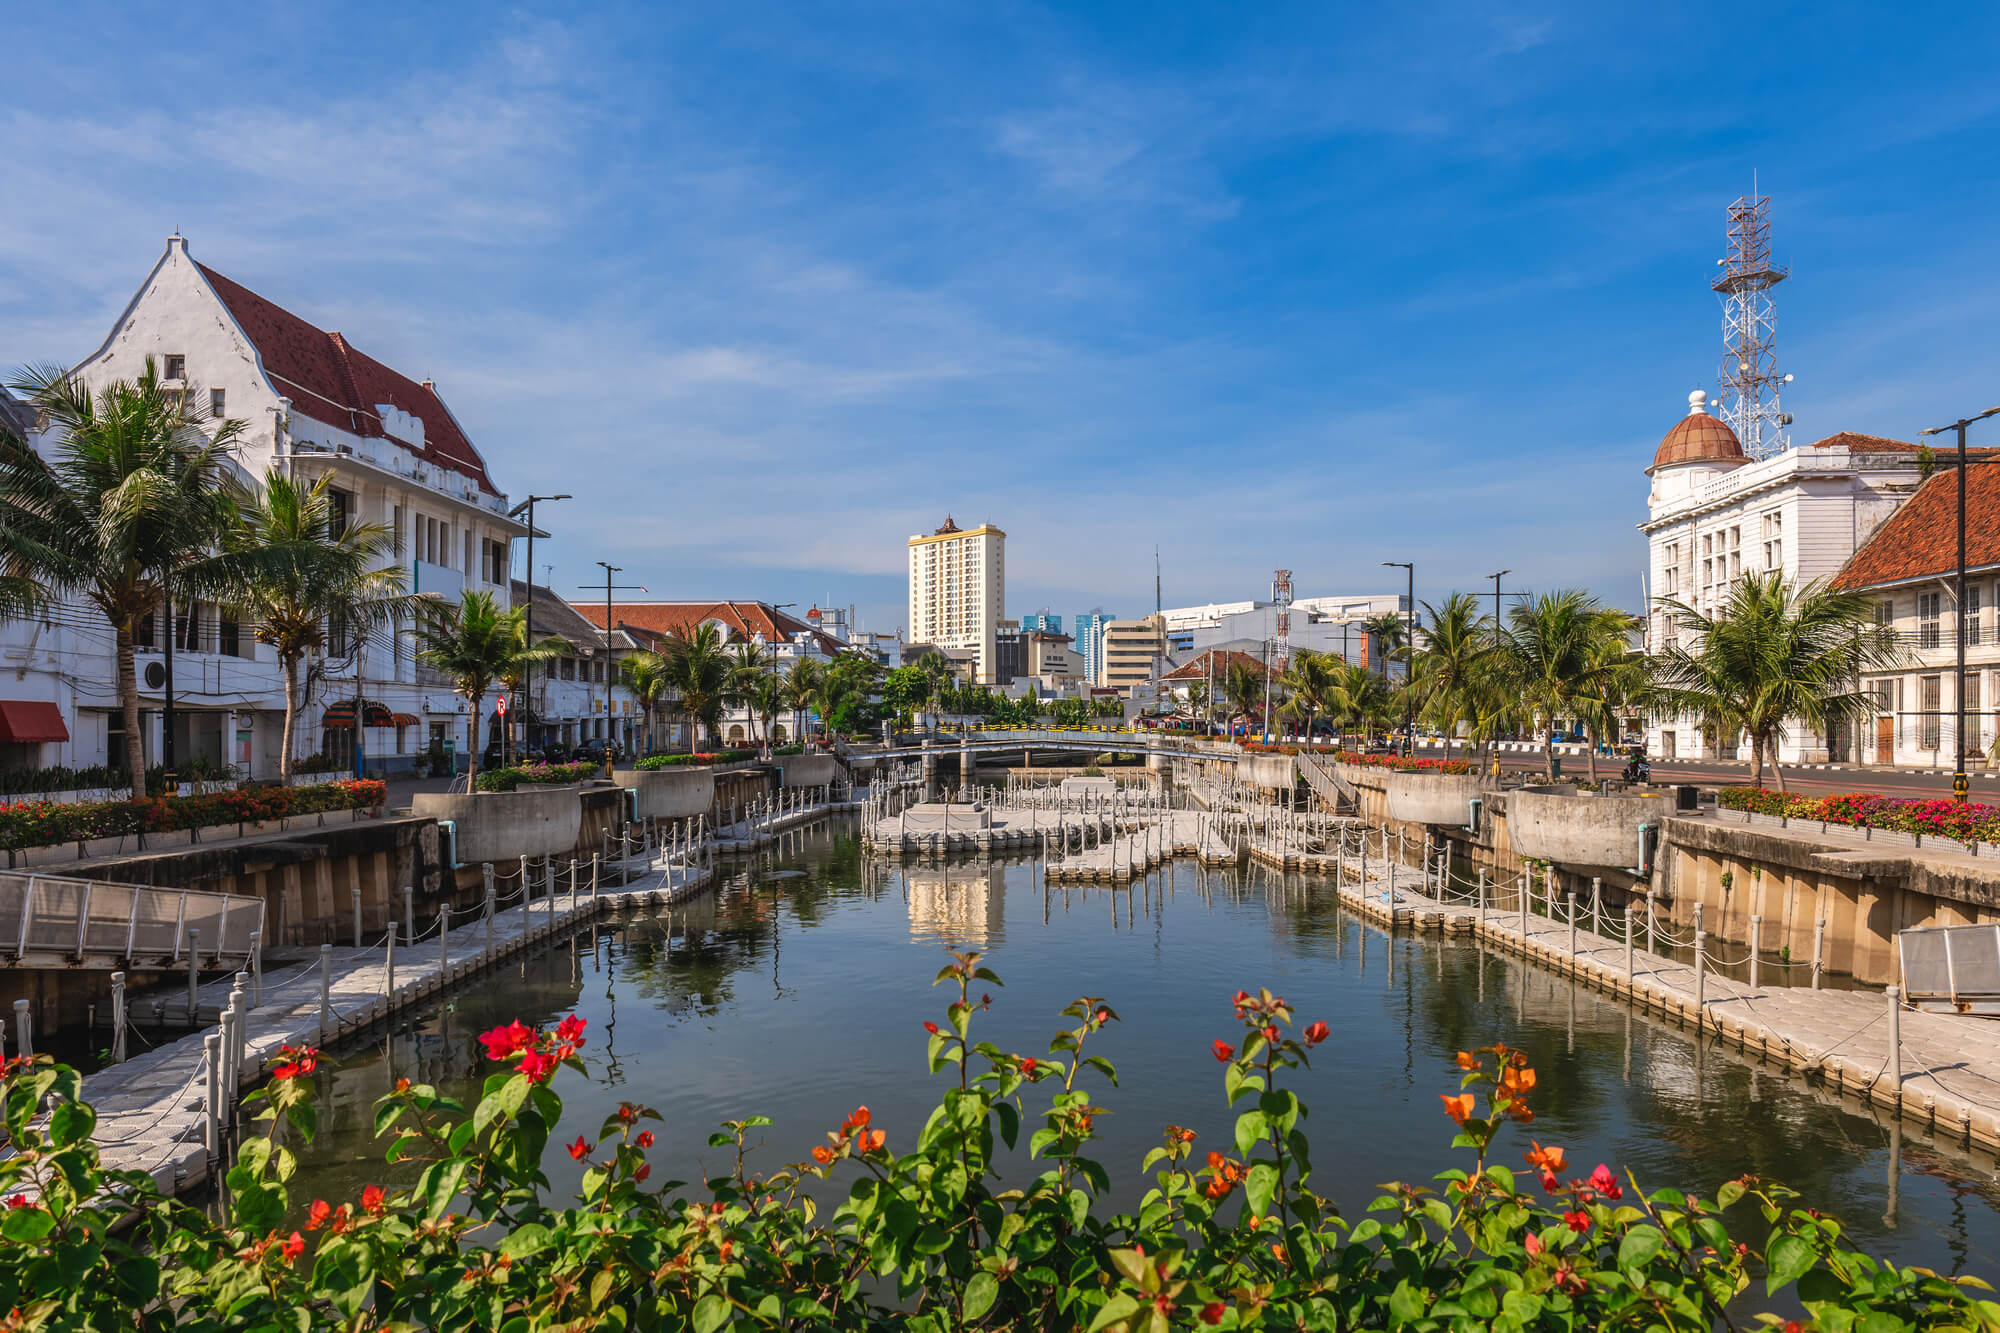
501, 706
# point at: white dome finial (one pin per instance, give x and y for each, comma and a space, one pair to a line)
1698, 403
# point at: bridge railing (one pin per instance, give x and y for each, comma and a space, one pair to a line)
84, 919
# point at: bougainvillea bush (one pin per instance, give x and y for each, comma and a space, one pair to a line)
42, 823
1404, 763
700, 758
927, 1236
1941, 817
538, 774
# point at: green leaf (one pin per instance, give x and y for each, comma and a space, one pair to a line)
710, 1313
25, 1226
1259, 1186
1406, 1303
71, 1123
1730, 1192
1121, 1306
525, 1240
980, 1293
1010, 1121
1251, 1127
1787, 1258
1639, 1247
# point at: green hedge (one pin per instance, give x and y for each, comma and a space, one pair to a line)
653, 762
45, 823
532, 775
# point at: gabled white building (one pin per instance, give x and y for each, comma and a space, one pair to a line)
1714, 515
315, 405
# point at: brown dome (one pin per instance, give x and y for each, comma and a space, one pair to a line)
1699, 438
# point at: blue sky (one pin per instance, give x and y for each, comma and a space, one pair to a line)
772, 288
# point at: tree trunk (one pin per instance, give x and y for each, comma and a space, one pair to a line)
1549, 750
1777, 769
1590, 733
472, 749
291, 668
1756, 760
128, 704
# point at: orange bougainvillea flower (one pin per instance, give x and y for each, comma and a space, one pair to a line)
872, 1140
1517, 1081
859, 1120
1467, 1060
822, 1154
1458, 1108
1546, 1160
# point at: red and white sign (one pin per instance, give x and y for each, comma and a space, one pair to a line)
501, 706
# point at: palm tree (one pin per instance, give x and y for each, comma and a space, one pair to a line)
1356, 695
1243, 684
752, 662
1454, 669
1773, 652
1558, 645
1309, 682
1197, 700
1391, 631
802, 684
300, 581
648, 677
131, 508
703, 675
765, 697
474, 645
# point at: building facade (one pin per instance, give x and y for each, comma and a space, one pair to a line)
1714, 515
1088, 639
1134, 653
958, 592
312, 405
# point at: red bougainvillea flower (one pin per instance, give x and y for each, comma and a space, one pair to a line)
1549, 1182
872, 1140
627, 1112
645, 1139
1270, 1032
931, 1028
580, 1150
1577, 1221
294, 1247
1467, 1060
17, 1201
1532, 1243
296, 1062
1212, 1312
1223, 1050
645, 1169
538, 1065
1546, 1160
822, 1154
1458, 1108
859, 1120
505, 1041
1317, 1032
316, 1215
1606, 1184
570, 1031
1029, 1065
372, 1201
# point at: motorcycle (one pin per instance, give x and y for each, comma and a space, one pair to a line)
1638, 770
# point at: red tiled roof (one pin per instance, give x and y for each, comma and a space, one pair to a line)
1199, 668
742, 619
1699, 438
1857, 443
1920, 539
330, 380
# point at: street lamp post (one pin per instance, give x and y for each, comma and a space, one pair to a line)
1410, 644
1495, 576
610, 650
527, 669
1959, 783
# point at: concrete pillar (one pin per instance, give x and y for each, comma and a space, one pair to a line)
326, 1027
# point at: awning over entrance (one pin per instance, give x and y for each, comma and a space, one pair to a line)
407, 719
31, 722
340, 716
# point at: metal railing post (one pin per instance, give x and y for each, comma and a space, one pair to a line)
527, 896
1756, 947
389, 964
444, 950
1819, 950
118, 1017
24, 1030
409, 915
357, 918
594, 864
1628, 945
1596, 906
1895, 1071
325, 993
194, 975
256, 969
211, 1050
1700, 976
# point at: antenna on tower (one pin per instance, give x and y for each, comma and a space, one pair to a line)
1281, 593
1749, 380
1156, 580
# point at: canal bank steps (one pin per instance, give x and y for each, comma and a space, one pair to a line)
1945, 1074
153, 1109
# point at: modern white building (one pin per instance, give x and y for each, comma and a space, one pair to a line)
1714, 515
314, 405
958, 592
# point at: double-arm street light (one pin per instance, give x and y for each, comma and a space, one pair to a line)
528, 669
1959, 784
610, 652
1410, 642
1495, 576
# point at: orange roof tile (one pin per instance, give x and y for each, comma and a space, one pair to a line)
1920, 540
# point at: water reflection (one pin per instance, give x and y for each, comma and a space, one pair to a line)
801, 996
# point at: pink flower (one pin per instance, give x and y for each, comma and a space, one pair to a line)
1577, 1220
505, 1041
1606, 1184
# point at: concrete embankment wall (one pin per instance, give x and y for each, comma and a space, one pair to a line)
811, 770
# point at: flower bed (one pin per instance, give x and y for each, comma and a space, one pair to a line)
43, 823
1404, 763
1939, 817
538, 775
654, 762
468, 1233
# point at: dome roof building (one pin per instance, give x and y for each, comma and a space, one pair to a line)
1699, 438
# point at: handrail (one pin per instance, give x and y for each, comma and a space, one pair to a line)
78, 919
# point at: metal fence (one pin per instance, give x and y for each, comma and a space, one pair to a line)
1952, 969
82, 919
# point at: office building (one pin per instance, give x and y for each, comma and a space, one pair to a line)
958, 585
1133, 652
1089, 639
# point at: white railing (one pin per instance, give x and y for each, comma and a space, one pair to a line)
80, 919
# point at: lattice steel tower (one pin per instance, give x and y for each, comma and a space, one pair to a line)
1749, 379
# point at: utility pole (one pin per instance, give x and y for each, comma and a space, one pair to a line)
1409, 647
527, 669
1960, 786
610, 677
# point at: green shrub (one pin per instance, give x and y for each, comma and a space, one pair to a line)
700, 758
44, 823
928, 1236
525, 775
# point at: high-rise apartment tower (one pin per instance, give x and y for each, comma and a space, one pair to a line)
958, 591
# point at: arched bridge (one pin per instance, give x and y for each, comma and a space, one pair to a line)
1078, 740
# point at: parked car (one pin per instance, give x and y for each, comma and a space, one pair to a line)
594, 751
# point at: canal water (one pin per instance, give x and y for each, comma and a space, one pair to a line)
799, 990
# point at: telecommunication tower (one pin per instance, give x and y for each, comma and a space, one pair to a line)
1749, 379
1281, 593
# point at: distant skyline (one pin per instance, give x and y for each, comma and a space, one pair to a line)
771, 290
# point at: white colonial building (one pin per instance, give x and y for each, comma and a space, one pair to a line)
314, 405
1714, 515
